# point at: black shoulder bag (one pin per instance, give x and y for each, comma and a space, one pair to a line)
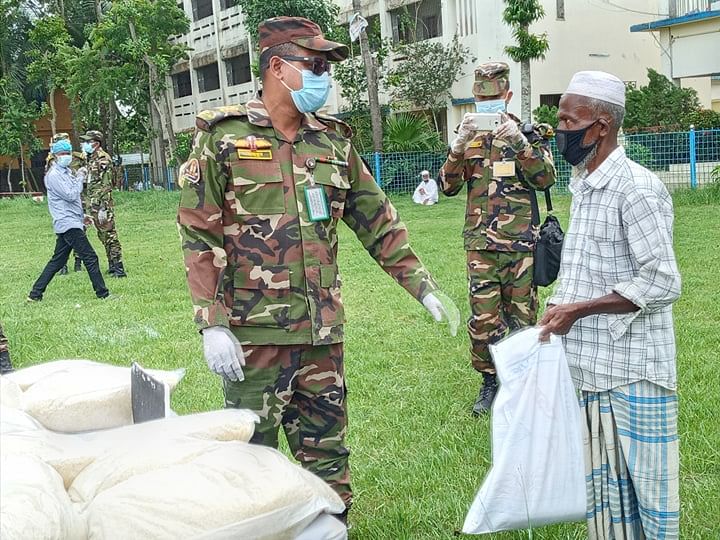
548, 247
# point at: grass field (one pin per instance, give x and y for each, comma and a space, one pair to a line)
418, 457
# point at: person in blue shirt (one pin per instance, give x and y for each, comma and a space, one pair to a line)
63, 191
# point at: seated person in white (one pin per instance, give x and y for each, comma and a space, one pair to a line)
427, 191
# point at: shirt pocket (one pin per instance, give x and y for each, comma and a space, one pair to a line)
332, 311
336, 186
609, 260
262, 296
258, 186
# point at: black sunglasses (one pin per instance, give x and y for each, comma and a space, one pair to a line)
320, 65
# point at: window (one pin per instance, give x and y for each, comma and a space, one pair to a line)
238, 69
201, 9
417, 22
227, 4
182, 86
560, 10
551, 100
208, 77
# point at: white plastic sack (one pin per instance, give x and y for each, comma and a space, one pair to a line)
10, 393
234, 490
71, 396
69, 454
34, 504
325, 527
538, 471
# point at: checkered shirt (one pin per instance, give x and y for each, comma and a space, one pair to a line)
620, 239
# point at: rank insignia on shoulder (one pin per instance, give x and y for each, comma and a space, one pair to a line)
253, 143
476, 144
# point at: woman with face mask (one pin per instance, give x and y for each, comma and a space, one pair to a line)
63, 191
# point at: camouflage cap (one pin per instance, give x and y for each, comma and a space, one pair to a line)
491, 79
59, 137
92, 135
302, 32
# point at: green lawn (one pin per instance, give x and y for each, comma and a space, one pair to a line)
418, 456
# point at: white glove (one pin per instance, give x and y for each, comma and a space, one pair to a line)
102, 216
81, 173
442, 308
223, 353
510, 132
465, 134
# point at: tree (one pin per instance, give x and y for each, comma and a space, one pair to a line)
322, 12
408, 132
17, 126
14, 43
546, 115
519, 15
659, 104
424, 78
47, 70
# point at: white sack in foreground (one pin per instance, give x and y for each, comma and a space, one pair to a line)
538, 473
230, 490
71, 396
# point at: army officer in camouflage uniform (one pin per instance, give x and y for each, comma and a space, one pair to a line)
263, 191
500, 168
99, 200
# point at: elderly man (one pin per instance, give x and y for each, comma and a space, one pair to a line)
427, 191
263, 191
63, 190
618, 279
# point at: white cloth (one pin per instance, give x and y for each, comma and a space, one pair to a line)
598, 85
620, 239
426, 192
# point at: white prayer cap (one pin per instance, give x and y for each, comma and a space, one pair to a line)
598, 85
423, 173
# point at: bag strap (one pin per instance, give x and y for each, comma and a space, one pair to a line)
548, 200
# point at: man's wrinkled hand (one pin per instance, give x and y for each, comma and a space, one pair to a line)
558, 320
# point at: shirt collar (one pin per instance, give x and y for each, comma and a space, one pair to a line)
259, 116
600, 176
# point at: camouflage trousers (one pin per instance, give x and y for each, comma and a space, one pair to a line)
3, 340
302, 389
502, 298
107, 234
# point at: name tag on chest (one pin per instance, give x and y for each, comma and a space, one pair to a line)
317, 204
503, 169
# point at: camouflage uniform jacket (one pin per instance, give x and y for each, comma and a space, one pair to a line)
100, 180
254, 260
498, 215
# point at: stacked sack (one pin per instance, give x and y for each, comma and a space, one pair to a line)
73, 466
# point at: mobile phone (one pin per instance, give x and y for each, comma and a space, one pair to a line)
484, 121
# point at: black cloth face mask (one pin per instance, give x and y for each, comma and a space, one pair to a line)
569, 143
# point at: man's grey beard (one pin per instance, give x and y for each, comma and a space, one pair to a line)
580, 170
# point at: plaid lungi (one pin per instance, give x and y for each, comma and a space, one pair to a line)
632, 462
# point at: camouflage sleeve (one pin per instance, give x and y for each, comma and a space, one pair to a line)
203, 182
373, 218
102, 193
536, 163
452, 175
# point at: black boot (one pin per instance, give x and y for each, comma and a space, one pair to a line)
5, 364
78, 264
119, 269
63, 271
487, 394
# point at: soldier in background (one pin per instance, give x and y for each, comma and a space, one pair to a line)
78, 160
99, 200
263, 191
500, 168
5, 364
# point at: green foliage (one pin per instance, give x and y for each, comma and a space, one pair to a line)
407, 132
546, 115
47, 40
660, 104
703, 119
322, 12
17, 118
14, 42
184, 145
429, 70
519, 15
640, 154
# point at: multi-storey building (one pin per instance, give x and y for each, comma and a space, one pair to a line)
584, 34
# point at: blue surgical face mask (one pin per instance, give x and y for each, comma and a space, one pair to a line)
64, 161
88, 148
314, 92
491, 106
